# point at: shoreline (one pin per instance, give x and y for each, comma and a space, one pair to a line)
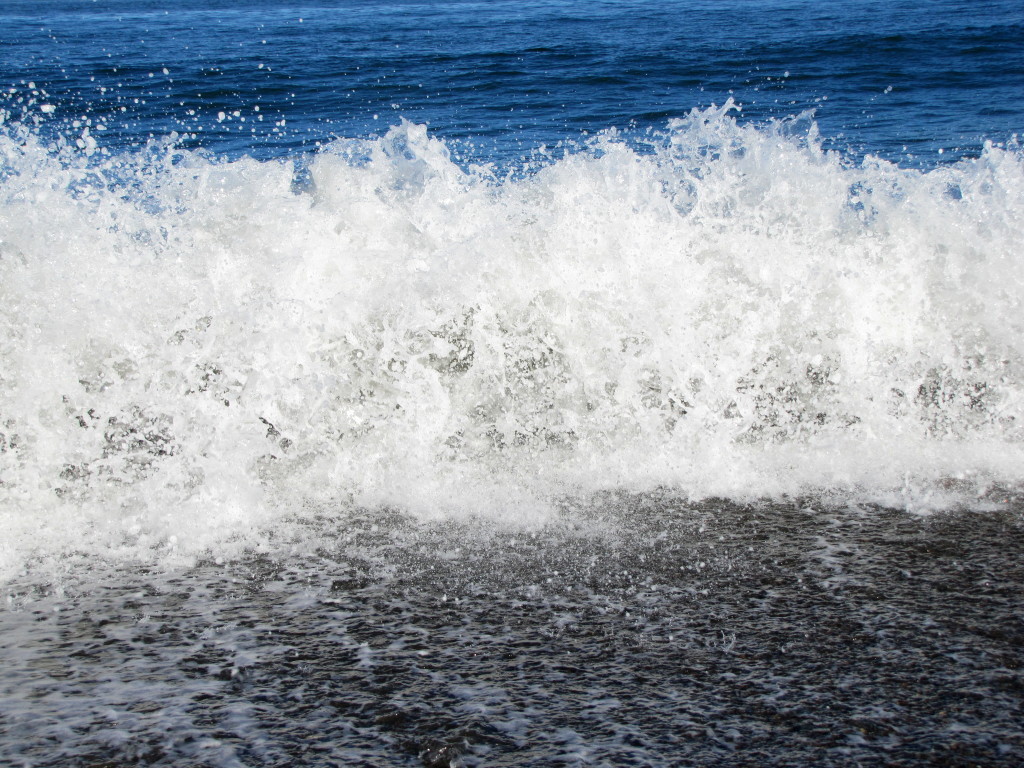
646, 630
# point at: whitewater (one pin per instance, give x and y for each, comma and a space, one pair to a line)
197, 351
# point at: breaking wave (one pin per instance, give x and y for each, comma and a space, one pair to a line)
195, 350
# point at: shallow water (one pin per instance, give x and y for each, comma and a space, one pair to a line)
637, 631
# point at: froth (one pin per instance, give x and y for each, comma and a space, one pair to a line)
195, 350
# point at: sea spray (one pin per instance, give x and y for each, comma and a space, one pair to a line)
195, 350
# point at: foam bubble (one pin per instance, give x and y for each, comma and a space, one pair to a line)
194, 349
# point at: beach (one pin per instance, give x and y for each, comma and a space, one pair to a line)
515, 383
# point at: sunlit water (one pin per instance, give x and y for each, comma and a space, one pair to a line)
440, 384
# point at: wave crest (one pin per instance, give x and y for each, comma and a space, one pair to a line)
194, 348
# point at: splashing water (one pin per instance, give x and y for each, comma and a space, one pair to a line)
194, 350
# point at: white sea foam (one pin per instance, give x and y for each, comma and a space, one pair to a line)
194, 350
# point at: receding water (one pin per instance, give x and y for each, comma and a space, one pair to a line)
638, 631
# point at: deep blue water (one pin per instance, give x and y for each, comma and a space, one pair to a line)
903, 80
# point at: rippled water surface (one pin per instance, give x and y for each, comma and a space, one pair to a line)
640, 631
904, 80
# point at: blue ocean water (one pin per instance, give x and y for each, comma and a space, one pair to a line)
905, 81
511, 383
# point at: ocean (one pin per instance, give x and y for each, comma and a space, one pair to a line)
511, 383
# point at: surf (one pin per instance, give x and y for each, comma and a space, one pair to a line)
199, 353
